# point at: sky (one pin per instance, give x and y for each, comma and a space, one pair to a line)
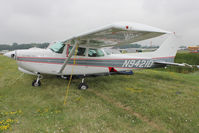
27, 21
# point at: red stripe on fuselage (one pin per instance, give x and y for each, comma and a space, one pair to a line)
87, 59
98, 59
76, 64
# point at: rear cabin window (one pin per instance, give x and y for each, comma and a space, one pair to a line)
58, 47
81, 51
95, 52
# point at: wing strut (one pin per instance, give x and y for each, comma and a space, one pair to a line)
69, 57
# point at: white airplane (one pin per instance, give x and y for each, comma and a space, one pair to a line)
90, 57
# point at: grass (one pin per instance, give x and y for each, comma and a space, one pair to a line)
148, 101
184, 57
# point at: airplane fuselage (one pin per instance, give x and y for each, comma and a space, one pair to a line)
48, 62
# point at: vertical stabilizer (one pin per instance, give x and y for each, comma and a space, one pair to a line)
169, 47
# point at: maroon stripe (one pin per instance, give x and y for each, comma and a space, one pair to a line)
99, 59
76, 64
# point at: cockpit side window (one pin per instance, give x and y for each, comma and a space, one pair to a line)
95, 52
81, 51
58, 47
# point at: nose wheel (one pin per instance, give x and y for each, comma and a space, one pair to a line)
37, 82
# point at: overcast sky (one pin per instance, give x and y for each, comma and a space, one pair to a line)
26, 21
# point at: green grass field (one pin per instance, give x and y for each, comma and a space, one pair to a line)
148, 101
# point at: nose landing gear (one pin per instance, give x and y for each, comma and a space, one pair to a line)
37, 82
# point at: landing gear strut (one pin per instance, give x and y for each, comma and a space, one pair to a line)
37, 82
83, 85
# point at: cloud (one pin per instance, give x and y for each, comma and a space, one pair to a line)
25, 21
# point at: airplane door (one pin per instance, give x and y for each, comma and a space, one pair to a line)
79, 68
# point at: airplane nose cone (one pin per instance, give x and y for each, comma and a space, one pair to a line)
10, 54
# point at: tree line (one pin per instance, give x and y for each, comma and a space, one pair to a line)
15, 46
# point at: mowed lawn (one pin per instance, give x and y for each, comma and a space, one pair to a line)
148, 101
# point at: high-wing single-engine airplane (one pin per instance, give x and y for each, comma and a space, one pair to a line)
84, 54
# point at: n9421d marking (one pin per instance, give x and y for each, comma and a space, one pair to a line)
138, 63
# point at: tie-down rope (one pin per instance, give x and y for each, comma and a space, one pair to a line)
68, 86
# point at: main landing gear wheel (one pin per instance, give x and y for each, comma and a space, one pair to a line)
83, 85
37, 82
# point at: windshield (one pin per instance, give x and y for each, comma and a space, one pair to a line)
58, 47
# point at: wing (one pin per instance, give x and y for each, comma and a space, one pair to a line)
117, 34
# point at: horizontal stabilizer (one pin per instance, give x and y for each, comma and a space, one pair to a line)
171, 63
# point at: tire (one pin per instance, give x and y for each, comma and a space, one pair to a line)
83, 86
65, 77
36, 84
